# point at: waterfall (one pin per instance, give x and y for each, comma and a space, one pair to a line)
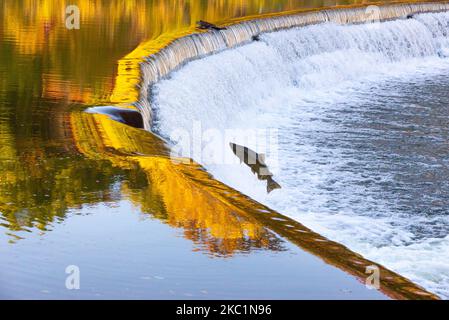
361, 112
198, 45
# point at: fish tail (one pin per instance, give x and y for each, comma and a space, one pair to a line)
272, 185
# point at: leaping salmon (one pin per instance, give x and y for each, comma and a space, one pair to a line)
257, 164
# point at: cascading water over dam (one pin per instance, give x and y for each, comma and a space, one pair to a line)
357, 114
196, 46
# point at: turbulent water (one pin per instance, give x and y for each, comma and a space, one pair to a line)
355, 123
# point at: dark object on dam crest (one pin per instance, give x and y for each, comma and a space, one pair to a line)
130, 117
257, 164
207, 25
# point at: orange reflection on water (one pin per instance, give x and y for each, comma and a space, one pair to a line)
175, 192
39, 44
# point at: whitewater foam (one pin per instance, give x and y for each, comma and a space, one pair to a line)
362, 140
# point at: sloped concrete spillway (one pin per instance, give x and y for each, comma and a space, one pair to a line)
293, 81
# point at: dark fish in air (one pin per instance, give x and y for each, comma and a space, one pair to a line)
257, 164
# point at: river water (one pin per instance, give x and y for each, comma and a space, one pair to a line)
358, 121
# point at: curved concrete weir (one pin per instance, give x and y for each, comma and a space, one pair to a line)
195, 46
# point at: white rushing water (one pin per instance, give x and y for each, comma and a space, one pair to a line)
354, 123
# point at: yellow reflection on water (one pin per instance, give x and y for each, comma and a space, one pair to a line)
79, 65
220, 220
175, 192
